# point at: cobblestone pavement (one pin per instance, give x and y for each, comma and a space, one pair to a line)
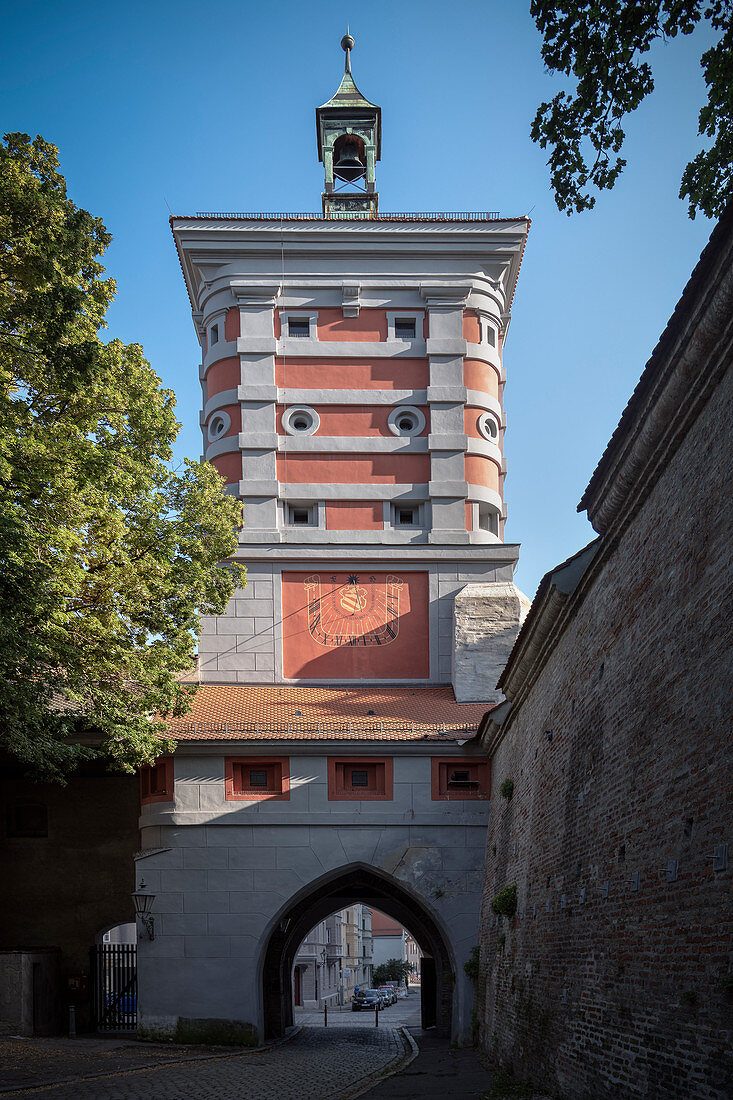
330, 1063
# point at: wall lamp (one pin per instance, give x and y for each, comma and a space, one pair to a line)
143, 905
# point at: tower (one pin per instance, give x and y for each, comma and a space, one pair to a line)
349, 131
353, 383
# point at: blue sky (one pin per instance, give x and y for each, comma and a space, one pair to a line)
210, 107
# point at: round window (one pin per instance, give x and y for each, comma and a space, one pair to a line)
300, 420
219, 424
406, 420
488, 425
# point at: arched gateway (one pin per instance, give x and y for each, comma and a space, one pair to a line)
241, 873
379, 891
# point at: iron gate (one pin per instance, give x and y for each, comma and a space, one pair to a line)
114, 986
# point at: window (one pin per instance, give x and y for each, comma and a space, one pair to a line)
404, 328
488, 519
490, 334
406, 420
28, 820
460, 778
406, 515
220, 423
157, 781
488, 426
300, 420
299, 327
213, 335
302, 515
354, 778
256, 779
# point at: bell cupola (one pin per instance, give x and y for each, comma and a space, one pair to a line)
349, 130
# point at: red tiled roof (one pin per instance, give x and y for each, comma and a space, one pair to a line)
254, 712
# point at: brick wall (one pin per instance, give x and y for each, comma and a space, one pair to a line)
612, 981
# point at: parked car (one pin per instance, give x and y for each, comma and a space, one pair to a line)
389, 994
367, 998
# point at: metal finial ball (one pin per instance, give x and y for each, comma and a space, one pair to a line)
348, 42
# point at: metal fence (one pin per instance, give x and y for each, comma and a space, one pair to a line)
113, 971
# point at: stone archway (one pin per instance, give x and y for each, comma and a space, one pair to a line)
356, 883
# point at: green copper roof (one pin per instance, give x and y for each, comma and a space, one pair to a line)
348, 95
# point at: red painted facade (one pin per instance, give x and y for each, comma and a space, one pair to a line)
341, 469
354, 515
310, 373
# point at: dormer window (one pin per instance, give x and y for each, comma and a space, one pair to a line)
299, 327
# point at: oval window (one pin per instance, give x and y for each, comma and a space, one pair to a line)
488, 426
219, 424
300, 420
406, 420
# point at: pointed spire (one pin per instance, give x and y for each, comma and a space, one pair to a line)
347, 44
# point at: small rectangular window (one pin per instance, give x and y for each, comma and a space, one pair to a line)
490, 336
301, 515
405, 515
488, 519
156, 781
253, 781
299, 327
460, 779
359, 779
213, 335
404, 328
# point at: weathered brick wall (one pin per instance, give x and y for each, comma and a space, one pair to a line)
600, 989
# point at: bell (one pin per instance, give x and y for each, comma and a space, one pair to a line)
349, 166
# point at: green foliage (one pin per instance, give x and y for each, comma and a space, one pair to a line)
393, 970
505, 902
506, 790
471, 966
600, 45
107, 556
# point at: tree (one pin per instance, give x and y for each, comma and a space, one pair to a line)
107, 555
393, 970
600, 44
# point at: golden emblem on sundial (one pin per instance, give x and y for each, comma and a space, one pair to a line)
355, 613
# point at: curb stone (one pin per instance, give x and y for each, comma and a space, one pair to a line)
384, 1074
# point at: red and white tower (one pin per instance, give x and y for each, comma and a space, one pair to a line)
353, 383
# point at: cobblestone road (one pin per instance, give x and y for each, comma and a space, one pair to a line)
318, 1064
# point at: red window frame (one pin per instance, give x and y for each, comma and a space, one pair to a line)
379, 771
479, 773
157, 782
237, 787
